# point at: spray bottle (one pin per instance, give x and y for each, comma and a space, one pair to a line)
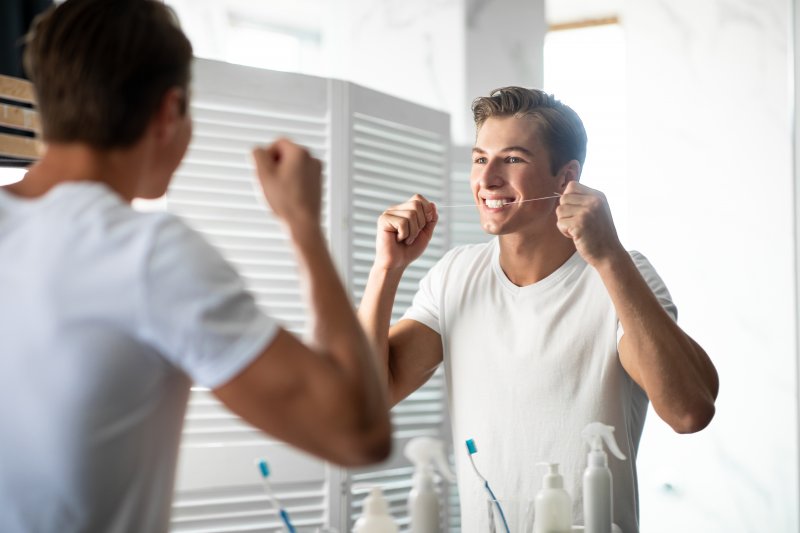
423, 501
598, 505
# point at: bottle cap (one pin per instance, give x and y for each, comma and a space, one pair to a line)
552, 479
375, 504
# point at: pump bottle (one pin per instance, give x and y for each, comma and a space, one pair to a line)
423, 501
553, 504
598, 505
375, 517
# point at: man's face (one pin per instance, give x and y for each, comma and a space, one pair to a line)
509, 164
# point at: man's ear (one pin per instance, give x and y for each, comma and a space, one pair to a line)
169, 114
569, 172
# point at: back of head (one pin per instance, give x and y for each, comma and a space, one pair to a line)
560, 128
100, 68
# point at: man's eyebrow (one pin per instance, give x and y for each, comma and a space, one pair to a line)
517, 149
478, 150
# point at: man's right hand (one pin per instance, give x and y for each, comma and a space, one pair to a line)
404, 232
291, 181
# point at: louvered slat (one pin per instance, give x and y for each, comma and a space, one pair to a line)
218, 486
463, 222
394, 158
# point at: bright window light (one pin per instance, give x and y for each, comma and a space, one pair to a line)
585, 68
9, 175
272, 48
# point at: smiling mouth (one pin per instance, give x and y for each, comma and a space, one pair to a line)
497, 203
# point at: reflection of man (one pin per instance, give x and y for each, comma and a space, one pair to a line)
107, 313
530, 326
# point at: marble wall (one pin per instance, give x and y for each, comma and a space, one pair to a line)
439, 53
711, 204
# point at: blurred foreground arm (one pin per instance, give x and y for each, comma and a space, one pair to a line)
325, 397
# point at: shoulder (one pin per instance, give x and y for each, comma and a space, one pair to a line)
642, 263
459, 264
654, 281
468, 254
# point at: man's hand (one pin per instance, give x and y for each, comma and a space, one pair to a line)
404, 232
291, 181
584, 217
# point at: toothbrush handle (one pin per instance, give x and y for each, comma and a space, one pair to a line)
285, 518
499, 508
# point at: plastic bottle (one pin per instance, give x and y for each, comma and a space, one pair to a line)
375, 517
553, 504
598, 490
423, 501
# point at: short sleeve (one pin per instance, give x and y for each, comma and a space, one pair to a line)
425, 305
656, 285
195, 308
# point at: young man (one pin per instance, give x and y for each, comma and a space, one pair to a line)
550, 326
108, 314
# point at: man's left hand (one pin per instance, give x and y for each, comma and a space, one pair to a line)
584, 217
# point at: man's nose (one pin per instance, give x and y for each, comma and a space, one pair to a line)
490, 176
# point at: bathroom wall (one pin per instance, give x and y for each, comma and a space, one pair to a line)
711, 204
440, 53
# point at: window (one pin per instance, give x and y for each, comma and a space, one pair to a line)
276, 35
585, 68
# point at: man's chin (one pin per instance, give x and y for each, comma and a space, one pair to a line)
492, 229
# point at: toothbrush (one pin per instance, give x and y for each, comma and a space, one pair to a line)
472, 449
262, 465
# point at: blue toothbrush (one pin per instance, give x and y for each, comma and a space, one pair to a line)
262, 465
472, 449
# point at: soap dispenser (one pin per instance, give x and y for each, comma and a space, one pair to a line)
598, 491
423, 501
553, 504
375, 517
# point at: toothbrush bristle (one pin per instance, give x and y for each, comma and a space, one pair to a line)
262, 465
471, 448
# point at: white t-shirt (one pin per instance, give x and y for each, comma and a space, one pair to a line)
106, 317
526, 369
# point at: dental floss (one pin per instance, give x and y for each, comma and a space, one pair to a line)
556, 195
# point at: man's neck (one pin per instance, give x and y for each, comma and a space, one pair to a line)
121, 170
526, 260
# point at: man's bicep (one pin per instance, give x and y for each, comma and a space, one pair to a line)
273, 391
415, 352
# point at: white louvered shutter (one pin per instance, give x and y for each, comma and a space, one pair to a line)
398, 149
218, 488
377, 150
465, 227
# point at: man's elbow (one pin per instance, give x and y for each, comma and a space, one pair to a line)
695, 419
368, 447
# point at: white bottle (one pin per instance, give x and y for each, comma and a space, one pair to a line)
598, 490
423, 501
375, 517
553, 504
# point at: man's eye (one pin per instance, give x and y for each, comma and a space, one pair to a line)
479, 160
513, 159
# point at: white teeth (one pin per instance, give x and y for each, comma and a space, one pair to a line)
495, 203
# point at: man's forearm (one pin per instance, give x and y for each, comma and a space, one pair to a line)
336, 330
676, 373
375, 311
